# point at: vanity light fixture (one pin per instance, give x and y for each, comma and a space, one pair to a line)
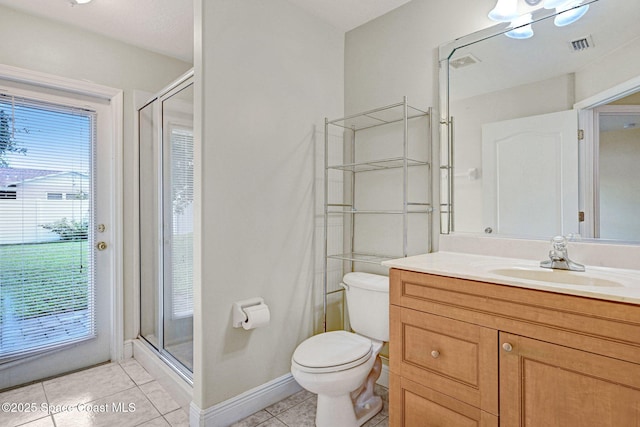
504, 11
521, 27
76, 2
567, 12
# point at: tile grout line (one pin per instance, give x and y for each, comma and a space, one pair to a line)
147, 397
136, 385
288, 409
94, 400
49, 413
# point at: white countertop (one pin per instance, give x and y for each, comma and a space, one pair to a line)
611, 284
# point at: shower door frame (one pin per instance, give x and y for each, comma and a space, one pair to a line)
159, 348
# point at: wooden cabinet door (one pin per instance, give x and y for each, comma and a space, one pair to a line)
543, 384
455, 358
414, 405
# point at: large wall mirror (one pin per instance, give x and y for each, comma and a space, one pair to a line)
541, 136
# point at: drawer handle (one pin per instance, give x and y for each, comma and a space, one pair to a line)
435, 354
507, 347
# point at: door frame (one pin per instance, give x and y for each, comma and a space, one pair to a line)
141, 99
115, 98
588, 122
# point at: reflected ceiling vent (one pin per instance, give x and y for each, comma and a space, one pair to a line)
463, 61
578, 45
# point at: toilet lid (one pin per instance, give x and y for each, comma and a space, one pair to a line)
332, 351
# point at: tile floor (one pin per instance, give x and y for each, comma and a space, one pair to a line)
125, 395
299, 410
109, 395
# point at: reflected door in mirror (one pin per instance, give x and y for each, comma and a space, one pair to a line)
530, 175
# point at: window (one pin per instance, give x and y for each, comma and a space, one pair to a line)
8, 195
46, 261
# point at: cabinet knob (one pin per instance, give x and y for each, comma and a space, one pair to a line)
507, 347
435, 354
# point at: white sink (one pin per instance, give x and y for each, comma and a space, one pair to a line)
564, 277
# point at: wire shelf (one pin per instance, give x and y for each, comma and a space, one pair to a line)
380, 116
380, 164
365, 258
418, 208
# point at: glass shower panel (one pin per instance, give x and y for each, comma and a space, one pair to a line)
177, 193
149, 222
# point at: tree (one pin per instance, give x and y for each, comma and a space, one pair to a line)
69, 230
8, 143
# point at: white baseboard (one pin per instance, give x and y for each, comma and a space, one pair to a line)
228, 412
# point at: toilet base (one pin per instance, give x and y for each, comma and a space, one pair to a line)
374, 406
341, 412
353, 409
365, 403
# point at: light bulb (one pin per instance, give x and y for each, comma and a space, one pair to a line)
521, 28
569, 13
504, 11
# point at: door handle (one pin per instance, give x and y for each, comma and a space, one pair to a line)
101, 246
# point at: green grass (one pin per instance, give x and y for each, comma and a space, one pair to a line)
45, 278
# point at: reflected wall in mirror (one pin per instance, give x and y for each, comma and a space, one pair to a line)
514, 161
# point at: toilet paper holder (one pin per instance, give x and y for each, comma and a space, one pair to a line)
239, 315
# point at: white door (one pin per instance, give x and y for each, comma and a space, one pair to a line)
530, 175
56, 286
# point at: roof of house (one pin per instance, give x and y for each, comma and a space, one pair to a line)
11, 177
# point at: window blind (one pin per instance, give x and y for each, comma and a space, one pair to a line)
46, 214
181, 268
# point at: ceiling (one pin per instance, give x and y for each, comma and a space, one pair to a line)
166, 26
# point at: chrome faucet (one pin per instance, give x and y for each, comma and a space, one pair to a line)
559, 257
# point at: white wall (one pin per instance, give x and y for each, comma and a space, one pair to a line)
41, 45
397, 54
267, 74
620, 65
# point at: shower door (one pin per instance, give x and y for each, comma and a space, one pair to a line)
166, 225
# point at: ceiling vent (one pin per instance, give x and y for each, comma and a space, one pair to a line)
578, 45
463, 61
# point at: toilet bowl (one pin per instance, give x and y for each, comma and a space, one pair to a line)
342, 367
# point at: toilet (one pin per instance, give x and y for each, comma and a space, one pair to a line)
342, 367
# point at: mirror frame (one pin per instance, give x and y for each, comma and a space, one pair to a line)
446, 121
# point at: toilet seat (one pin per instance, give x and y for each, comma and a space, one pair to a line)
332, 352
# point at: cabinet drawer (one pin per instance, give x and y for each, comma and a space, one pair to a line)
413, 405
455, 358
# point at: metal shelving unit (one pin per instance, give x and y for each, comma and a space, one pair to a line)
402, 113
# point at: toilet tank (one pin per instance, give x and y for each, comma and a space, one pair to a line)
368, 304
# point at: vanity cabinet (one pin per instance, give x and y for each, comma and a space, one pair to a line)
469, 353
